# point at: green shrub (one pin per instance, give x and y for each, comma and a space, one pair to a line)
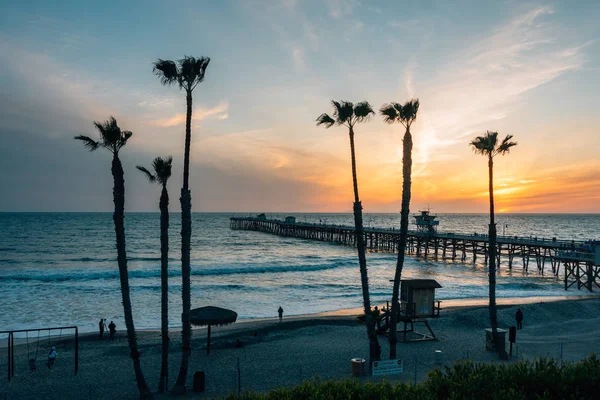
541, 379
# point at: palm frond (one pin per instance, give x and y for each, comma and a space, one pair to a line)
342, 111
109, 132
479, 145
409, 111
362, 111
162, 169
148, 174
390, 112
88, 142
193, 70
506, 145
486, 144
337, 106
166, 71
201, 66
326, 120
125, 136
346, 112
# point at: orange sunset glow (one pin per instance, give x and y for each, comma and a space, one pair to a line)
255, 145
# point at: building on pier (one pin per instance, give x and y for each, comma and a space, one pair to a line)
426, 223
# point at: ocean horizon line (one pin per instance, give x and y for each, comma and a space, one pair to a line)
297, 213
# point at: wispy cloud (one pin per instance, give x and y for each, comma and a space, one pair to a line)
218, 112
341, 8
406, 25
483, 83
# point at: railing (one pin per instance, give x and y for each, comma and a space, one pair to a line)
576, 255
411, 310
515, 240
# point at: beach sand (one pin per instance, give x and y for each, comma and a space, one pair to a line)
300, 348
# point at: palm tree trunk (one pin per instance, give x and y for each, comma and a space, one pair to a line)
188, 140
186, 236
164, 286
404, 215
374, 349
118, 219
492, 258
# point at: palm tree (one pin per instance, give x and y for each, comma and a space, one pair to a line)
187, 73
347, 114
488, 146
405, 114
161, 175
112, 138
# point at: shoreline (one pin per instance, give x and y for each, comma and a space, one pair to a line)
350, 313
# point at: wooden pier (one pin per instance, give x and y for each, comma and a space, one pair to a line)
580, 260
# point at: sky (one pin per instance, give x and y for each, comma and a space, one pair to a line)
529, 69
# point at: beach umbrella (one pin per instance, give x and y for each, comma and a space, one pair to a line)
209, 316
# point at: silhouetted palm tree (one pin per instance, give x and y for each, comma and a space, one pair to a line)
161, 175
112, 138
187, 73
405, 114
347, 114
488, 146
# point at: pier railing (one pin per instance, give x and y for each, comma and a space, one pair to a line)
578, 258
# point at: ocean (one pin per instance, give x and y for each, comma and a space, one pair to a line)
60, 268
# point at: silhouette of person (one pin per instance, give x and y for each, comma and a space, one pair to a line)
519, 318
280, 312
52, 357
112, 328
376, 313
102, 327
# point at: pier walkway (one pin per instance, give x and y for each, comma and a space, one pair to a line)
580, 260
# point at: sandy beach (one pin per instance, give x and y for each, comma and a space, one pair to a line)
277, 354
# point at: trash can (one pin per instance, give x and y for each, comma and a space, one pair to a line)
358, 366
438, 357
490, 344
199, 379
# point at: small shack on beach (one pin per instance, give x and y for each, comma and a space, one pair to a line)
417, 305
417, 298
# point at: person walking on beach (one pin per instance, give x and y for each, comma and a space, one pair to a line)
102, 327
519, 318
280, 312
112, 328
52, 357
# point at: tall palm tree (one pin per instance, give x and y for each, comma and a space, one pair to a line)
405, 114
112, 138
488, 146
347, 114
187, 73
161, 175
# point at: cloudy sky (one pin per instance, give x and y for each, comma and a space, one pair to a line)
530, 69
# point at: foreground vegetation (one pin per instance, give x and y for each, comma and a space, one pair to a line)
541, 379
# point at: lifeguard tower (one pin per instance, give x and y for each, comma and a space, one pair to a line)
417, 305
426, 223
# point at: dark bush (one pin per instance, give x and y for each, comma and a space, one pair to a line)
540, 379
